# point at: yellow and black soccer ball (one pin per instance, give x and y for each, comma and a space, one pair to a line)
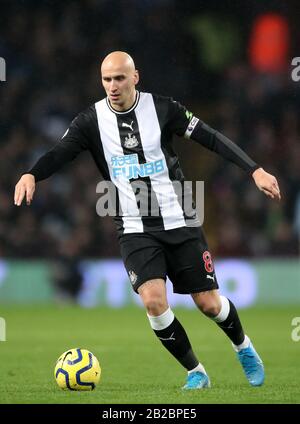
77, 369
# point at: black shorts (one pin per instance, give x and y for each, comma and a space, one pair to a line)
181, 254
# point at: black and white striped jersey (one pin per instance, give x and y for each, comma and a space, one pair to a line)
133, 150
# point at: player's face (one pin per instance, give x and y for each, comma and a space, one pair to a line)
119, 85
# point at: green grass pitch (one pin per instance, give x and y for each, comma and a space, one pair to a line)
135, 366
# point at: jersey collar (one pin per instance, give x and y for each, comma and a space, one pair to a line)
137, 98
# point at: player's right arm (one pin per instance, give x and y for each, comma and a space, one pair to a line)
24, 187
74, 141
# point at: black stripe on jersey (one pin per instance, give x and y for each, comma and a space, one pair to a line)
174, 169
97, 151
90, 117
131, 143
185, 198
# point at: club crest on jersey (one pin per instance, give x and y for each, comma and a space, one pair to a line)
131, 141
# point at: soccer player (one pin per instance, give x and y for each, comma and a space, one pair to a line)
129, 134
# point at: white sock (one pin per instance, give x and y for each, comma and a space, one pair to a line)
243, 345
162, 321
199, 367
224, 312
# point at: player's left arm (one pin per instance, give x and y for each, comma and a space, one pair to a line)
267, 183
222, 145
183, 123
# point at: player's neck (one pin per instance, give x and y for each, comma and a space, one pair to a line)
128, 104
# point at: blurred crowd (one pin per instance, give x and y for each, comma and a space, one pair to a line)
53, 52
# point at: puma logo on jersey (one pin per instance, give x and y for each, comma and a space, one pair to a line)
124, 124
169, 338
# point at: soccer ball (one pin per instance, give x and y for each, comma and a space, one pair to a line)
77, 369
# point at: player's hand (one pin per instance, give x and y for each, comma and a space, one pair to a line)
24, 187
267, 183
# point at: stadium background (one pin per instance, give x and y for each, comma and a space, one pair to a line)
230, 63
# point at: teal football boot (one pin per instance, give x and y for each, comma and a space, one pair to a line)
252, 365
196, 380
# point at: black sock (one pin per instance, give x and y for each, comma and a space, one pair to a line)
175, 339
232, 326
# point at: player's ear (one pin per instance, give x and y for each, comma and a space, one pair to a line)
136, 77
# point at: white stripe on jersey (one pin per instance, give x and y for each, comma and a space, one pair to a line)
110, 137
150, 134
